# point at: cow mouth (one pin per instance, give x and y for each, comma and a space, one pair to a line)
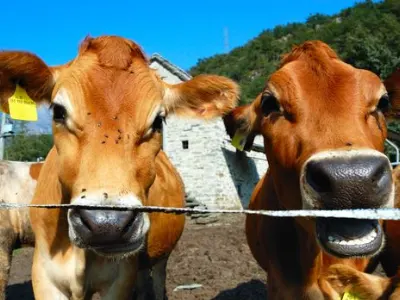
122, 250
345, 238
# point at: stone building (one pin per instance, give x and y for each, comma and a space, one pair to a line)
213, 172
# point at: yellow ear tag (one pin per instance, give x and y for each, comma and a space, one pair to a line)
350, 296
239, 140
22, 107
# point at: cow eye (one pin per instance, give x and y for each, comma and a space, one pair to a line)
59, 113
384, 103
269, 104
157, 124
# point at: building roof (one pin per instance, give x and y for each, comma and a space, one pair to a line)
181, 74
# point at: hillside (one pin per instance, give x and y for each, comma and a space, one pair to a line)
366, 35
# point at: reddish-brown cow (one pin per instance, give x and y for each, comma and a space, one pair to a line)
324, 135
390, 258
108, 108
374, 287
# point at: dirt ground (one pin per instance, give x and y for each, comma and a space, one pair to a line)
215, 256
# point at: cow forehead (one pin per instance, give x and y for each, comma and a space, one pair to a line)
88, 87
315, 70
335, 82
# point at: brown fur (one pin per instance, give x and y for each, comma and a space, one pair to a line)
390, 258
17, 181
326, 105
105, 147
375, 287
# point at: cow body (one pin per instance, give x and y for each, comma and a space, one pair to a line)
78, 273
108, 112
18, 182
324, 132
280, 245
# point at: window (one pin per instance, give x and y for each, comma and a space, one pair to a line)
185, 144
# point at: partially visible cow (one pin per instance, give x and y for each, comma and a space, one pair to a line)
370, 286
324, 133
17, 185
108, 110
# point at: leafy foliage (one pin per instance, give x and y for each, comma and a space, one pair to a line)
366, 35
26, 147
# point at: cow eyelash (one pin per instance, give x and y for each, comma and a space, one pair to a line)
156, 126
269, 104
384, 103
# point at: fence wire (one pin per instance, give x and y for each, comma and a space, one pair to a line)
370, 214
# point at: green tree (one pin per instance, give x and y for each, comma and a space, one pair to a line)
366, 35
26, 147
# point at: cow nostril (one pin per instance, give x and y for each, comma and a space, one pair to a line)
129, 223
86, 221
382, 175
317, 178
378, 174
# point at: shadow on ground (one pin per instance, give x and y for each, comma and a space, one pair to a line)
253, 289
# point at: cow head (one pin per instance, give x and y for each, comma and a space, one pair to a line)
324, 134
108, 110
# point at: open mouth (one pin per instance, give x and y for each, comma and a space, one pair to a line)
345, 238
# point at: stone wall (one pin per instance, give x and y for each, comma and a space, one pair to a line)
211, 169
213, 173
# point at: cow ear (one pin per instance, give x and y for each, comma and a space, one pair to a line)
392, 85
204, 96
244, 122
25, 73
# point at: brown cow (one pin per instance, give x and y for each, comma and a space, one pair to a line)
390, 258
324, 135
369, 286
108, 109
17, 182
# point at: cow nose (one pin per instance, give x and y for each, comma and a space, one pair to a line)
105, 227
350, 182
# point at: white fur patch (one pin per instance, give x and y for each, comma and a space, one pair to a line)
310, 196
170, 97
17, 186
62, 98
